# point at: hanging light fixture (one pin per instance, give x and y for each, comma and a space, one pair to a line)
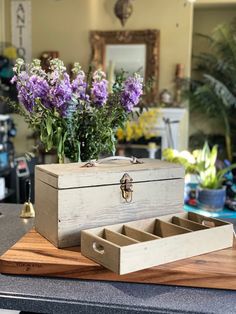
123, 10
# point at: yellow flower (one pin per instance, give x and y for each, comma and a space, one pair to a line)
148, 120
138, 131
129, 131
144, 126
120, 134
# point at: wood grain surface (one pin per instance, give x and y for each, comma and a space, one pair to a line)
73, 175
70, 198
34, 255
62, 214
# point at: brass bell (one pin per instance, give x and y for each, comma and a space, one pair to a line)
27, 210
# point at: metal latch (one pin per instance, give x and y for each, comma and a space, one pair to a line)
126, 187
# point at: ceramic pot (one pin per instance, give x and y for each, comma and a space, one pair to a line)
211, 200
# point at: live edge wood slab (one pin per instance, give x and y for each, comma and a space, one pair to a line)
34, 255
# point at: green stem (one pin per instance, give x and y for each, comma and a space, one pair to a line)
61, 159
78, 157
227, 136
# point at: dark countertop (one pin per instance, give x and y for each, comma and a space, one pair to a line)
44, 295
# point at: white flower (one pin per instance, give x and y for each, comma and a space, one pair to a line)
19, 63
77, 68
57, 65
35, 68
99, 75
138, 77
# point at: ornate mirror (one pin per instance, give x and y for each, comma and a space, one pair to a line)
128, 50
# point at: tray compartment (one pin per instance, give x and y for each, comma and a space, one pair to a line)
166, 229
137, 245
101, 250
154, 228
195, 218
139, 235
118, 238
140, 230
206, 221
189, 224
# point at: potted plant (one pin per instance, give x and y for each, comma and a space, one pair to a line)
211, 193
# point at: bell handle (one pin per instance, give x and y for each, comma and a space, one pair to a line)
28, 190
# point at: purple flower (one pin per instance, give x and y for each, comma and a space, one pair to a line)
79, 86
53, 77
60, 94
31, 88
14, 79
99, 91
133, 89
39, 87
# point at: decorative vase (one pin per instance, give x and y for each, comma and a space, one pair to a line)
211, 200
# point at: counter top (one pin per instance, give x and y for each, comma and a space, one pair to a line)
46, 295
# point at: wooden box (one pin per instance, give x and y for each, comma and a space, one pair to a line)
125, 248
69, 197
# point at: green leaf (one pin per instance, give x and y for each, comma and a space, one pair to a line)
222, 173
221, 90
213, 155
49, 125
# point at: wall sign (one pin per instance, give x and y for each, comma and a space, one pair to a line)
21, 28
2, 21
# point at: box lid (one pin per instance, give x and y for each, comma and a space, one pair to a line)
74, 175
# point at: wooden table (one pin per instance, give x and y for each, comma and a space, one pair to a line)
45, 295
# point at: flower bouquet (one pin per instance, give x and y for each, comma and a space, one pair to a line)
77, 115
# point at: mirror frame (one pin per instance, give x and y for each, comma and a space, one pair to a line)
149, 37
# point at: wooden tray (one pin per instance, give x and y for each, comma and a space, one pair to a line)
141, 244
34, 255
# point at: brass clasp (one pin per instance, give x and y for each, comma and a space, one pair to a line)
126, 187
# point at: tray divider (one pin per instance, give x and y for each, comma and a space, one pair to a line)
102, 239
139, 235
166, 229
118, 238
189, 224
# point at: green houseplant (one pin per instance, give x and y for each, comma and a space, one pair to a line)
214, 94
210, 192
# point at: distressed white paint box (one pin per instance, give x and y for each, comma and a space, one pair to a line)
137, 245
70, 197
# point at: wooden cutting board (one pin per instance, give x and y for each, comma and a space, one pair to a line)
34, 255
